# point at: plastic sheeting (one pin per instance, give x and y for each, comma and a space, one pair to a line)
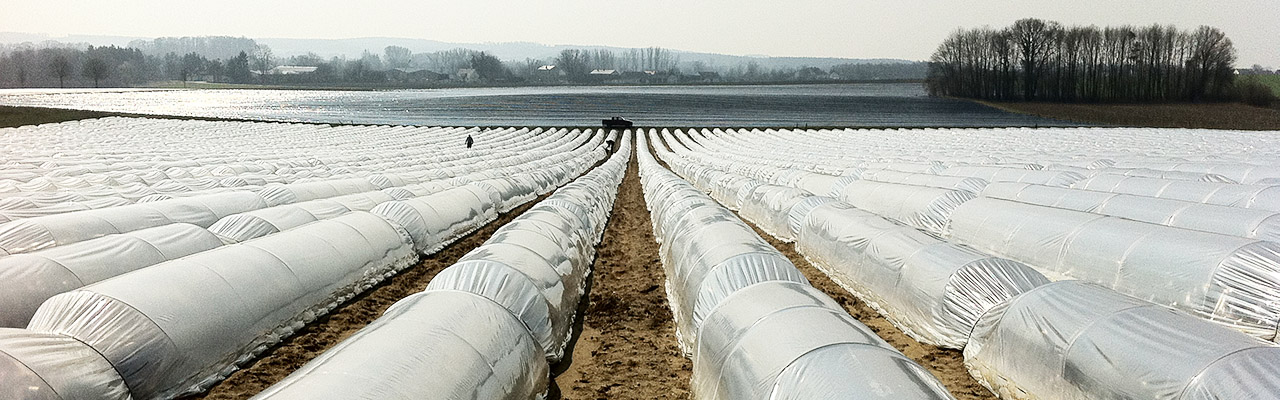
933, 290
1087, 342
923, 207
434, 221
770, 206
750, 321
1230, 280
742, 353
1234, 221
496, 317
41, 366
470, 348
1261, 197
27, 280
961, 183
27, 235
180, 326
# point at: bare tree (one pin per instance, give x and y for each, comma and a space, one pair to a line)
263, 61
1035, 59
397, 57
60, 67
96, 69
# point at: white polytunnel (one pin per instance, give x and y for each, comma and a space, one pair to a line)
1158, 173
1234, 221
1262, 197
1236, 172
961, 183
31, 234
1019, 175
755, 340
770, 206
923, 207
180, 326
1088, 342
1230, 280
42, 366
499, 316
932, 289
749, 320
799, 213
436, 220
27, 280
472, 348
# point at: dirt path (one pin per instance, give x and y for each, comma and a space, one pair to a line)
946, 364
627, 349
312, 340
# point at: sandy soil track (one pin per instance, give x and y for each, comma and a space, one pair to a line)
627, 349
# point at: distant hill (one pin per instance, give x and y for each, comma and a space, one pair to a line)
10, 38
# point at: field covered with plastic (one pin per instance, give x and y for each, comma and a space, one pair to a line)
157, 259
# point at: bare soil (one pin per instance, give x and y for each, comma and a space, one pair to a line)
627, 348
1174, 115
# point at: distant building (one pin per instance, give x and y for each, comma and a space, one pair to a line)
467, 75
701, 77
414, 75
604, 72
290, 70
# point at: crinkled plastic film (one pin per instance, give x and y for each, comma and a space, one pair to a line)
1090, 342
1230, 280
179, 326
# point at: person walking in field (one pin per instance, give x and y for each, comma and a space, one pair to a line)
470, 141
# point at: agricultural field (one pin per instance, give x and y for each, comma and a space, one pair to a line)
150, 258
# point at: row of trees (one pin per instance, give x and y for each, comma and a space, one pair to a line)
240, 60
1044, 60
111, 66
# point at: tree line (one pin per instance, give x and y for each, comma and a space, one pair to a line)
1037, 60
242, 61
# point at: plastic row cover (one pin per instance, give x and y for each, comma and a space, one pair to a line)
1236, 172
258, 223
27, 235
488, 322
404, 167
182, 325
41, 366
932, 289
27, 280
1017, 175
923, 207
961, 183
1226, 279
551, 246
1072, 340
754, 326
1261, 197
1242, 222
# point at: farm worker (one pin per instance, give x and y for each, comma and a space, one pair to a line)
470, 141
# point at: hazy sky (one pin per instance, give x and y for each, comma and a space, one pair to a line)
909, 29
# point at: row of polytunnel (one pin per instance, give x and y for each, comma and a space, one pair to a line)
750, 321
1103, 273
165, 297
137, 262
487, 327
